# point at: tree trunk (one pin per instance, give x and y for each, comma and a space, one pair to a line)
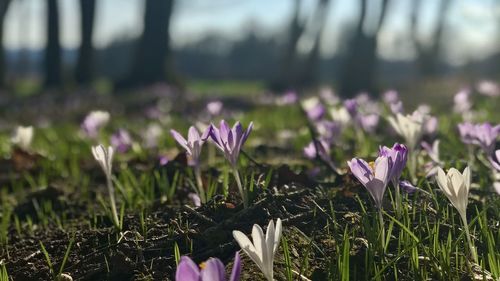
287, 70
53, 48
151, 59
84, 71
309, 72
4, 5
360, 62
429, 57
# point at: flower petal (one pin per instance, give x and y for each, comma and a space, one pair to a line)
180, 140
193, 135
247, 247
236, 272
213, 271
361, 170
277, 235
259, 242
187, 270
442, 181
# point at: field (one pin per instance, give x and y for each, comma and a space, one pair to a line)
64, 216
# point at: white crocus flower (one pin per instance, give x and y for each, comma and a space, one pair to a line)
455, 186
23, 137
496, 186
410, 127
263, 248
340, 115
104, 156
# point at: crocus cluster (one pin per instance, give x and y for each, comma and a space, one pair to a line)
211, 270
228, 140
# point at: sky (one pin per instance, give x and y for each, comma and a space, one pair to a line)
472, 24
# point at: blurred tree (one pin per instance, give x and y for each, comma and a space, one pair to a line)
295, 30
84, 64
359, 61
52, 62
429, 57
4, 6
308, 73
151, 63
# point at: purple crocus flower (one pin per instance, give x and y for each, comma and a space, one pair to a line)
462, 102
214, 107
121, 141
352, 107
407, 187
289, 97
495, 160
467, 132
192, 144
195, 198
230, 140
211, 270
391, 97
329, 130
324, 150
374, 176
397, 107
431, 126
399, 155
368, 122
317, 112
488, 88
329, 96
484, 135
93, 122
163, 160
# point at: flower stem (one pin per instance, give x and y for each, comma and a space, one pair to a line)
413, 165
199, 184
397, 198
111, 192
469, 241
382, 228
240, 187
